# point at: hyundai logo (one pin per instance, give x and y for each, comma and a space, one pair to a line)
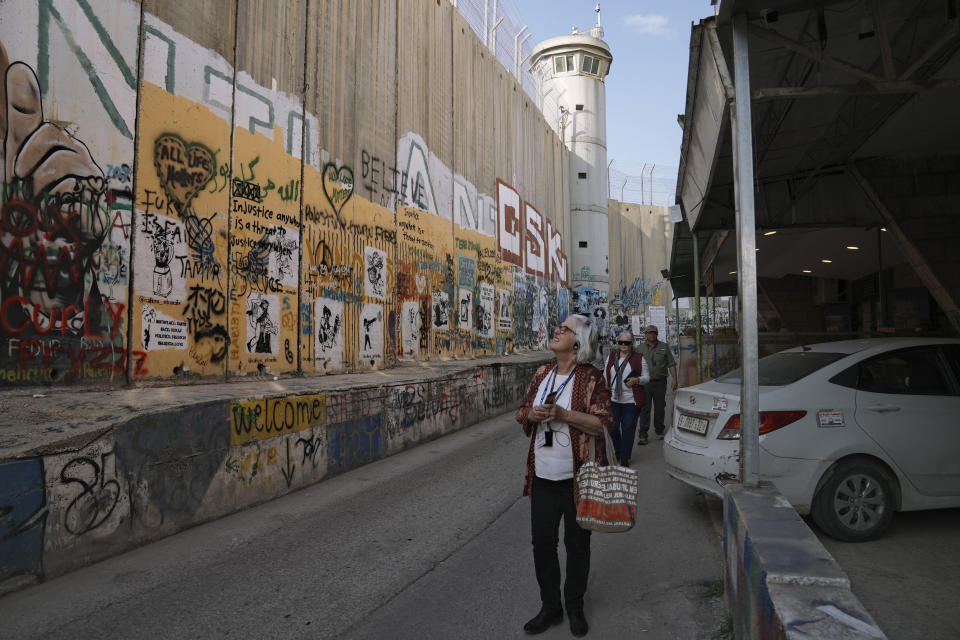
693, 400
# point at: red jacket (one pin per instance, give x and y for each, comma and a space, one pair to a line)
589, 395
634, 364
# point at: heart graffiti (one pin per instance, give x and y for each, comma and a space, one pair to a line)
183, 168
338, 187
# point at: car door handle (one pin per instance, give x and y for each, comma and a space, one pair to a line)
883, 408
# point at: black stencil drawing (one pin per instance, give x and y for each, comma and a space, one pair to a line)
328, 328
375, 272
258, 315
440, 311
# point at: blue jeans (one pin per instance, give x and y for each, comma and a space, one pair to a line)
624, 426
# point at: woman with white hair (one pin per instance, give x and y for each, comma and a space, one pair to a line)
567, 405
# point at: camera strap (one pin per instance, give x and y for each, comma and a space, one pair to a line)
543, 396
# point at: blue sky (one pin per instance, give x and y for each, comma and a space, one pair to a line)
650, 41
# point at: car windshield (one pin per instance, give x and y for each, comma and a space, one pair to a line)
785, 367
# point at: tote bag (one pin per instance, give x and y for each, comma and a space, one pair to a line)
608, 495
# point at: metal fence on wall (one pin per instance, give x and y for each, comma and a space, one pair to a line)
500, 26
656, 185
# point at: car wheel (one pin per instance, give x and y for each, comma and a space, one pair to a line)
855, 503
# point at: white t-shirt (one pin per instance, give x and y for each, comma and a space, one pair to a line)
625, 395
554, 462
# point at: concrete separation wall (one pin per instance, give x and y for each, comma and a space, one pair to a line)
780, 581
98, 473
240, 187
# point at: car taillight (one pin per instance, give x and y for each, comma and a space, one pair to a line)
769, 421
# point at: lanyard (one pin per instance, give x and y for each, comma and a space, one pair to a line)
553, 379
619, 368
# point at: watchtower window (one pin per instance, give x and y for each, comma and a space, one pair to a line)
563, 64
591, 65
583, 244
582, 175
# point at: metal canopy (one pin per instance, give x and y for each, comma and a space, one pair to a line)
833, 84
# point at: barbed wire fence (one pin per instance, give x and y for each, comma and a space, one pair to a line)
656, 185
500, 26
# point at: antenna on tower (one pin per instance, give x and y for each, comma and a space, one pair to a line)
597, 30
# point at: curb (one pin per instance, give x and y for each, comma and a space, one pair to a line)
780, 580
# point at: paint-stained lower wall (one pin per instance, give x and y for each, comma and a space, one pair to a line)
159, 473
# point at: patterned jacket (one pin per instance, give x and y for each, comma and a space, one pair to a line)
590, 394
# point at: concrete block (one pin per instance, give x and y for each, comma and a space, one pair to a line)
816, 612
780, 580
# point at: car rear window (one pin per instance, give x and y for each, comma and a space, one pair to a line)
786, 367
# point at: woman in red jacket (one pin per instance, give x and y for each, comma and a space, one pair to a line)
626, 373
566, 406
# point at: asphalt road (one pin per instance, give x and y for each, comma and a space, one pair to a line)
431, 543
909, 580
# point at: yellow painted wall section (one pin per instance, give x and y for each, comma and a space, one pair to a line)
264, 253
179, 314
478, 269
425, 284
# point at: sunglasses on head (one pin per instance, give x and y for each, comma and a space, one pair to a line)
625, 342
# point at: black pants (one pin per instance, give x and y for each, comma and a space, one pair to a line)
549, 501
656, 400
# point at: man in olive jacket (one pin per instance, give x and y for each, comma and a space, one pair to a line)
659, 360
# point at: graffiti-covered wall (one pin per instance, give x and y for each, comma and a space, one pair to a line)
266, 187
156, 472
641, 237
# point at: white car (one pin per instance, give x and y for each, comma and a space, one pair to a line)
849, 431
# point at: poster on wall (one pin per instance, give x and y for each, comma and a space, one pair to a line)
283, 244
412, 321
503, 319
161, 250
161, 331
657, 316
328, 344
441, 310
374, 272
371, 334
541, 316
263, 323
485, 318
465, 305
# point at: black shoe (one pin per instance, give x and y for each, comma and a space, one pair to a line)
544, 620
578, 623
624, 463
659, 436
642, 439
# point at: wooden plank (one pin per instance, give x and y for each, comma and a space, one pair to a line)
913, 255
